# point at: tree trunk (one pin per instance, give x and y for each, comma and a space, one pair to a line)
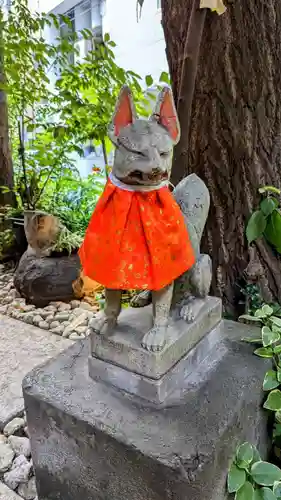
6, 168
233, 137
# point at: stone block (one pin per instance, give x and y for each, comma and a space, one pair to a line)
159, 390
123, 348
92, 441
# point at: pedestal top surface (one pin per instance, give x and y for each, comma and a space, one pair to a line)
123, 348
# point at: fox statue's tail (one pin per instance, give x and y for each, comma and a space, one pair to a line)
193, 197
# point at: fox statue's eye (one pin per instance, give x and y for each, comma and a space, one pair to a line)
140, 154
164, 153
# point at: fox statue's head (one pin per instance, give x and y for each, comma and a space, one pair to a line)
144, 148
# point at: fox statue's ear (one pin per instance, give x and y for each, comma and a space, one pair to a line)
124, 113
165, 114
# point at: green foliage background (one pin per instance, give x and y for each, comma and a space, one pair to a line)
50, 123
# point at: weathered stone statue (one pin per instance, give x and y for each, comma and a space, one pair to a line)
170, 389
142, 165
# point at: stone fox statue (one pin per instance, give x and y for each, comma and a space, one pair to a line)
141, 236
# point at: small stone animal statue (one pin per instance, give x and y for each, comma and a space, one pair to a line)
143, 159
42, 231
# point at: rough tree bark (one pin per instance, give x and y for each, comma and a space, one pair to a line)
233, 137
6, 168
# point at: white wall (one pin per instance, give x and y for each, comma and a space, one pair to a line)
140, 44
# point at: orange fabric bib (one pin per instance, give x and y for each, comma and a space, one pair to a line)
136, 240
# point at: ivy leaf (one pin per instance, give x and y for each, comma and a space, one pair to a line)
268, 205
255, 226
279, 373
259, 313
264, 352
245, 453
267, 309
273, 229
106, 37
270, 380
273, 401
246, 492
269, 189
248, 317
236, 478
276, 321
256, 457
252, 341
276, 328
277, 489
268, 336
265, 474
277, 433
264, 494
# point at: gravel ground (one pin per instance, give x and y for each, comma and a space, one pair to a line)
16, 468
68, 320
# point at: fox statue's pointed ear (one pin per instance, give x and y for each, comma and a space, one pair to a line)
165, 114
124, 113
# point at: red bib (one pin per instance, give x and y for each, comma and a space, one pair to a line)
136, 240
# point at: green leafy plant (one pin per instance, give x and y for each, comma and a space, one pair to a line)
268, 318
67, 242
52, 123
38, 152
266, 221
253, 298
270, 340
7, 241
73, 199
250, 478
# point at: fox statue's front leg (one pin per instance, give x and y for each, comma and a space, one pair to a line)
156, 338
105, 321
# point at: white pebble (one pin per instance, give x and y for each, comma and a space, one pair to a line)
64, 307
54, 324
6, 456
37, 319
28, 490
58, 330
13, 426
19, 472
20, 445
44, 325
74, 336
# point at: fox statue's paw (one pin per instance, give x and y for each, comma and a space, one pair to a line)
190, 311
156, 339
141, 299
102, 324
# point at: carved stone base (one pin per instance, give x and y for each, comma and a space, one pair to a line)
160, 390
124, 349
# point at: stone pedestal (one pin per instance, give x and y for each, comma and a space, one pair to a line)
121, 361
92, 441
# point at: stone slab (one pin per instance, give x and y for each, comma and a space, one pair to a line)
22, 347
156, 391
8, 494
123, 348
91, 441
